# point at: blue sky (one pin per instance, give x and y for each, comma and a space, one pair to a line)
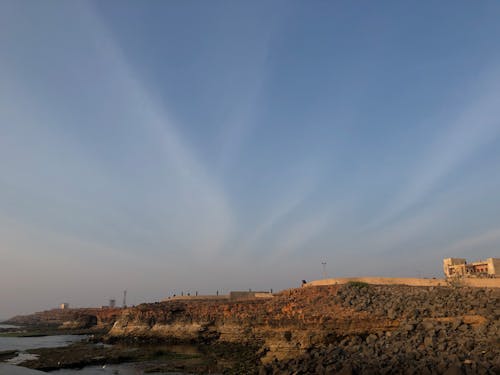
167, 146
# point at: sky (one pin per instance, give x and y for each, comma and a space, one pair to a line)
181, 146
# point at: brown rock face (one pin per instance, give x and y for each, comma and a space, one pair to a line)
284, 326
70, 318
354, 328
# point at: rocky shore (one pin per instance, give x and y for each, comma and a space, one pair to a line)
349, 329
438, 331
82, 318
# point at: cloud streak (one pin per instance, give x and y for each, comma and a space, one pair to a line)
201, 195
195, 200
481, 243
474, 126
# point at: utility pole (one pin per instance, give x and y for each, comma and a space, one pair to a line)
124, 299
324, 269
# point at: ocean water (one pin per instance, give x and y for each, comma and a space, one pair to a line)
125, 369
22, 344
25, 343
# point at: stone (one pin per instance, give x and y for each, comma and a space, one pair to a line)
330, 370
441, 367
319, 369
371, 339
408, 327
427, 325
391, 314
346, 370
428, 341
453, 370
463, 327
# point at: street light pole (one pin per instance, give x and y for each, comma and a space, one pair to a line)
324, 269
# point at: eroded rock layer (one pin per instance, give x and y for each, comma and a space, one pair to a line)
350, 329
354, 328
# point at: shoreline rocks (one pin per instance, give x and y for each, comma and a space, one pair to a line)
441, 331
354, 328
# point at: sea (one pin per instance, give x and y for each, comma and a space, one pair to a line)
22, 344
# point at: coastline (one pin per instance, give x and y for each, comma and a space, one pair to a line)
362, 328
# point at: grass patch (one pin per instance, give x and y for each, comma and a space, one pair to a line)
358, 284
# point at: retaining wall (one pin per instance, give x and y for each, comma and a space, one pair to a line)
410, 281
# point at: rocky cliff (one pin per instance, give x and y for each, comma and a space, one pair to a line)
354, 328
435, 330
83, 318
347, 329
284, 326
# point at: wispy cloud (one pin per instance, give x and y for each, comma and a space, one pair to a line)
192, 197
470, 128
300, 235
203, 197
243, 114
295, 192
481, 244
250, 75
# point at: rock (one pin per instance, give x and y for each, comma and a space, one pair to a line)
441, 367
463, 327
453, 370
397, 329
319, 369
428, 341
427, 325
408, 327
371, 339
391, 314
330, 370
346, 370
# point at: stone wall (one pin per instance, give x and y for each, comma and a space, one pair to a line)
409, 281
380, 281
244, 295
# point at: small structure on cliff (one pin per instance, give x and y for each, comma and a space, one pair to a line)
64, 306
244, 295
458, 267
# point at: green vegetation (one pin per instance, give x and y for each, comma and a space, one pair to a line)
358, 284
